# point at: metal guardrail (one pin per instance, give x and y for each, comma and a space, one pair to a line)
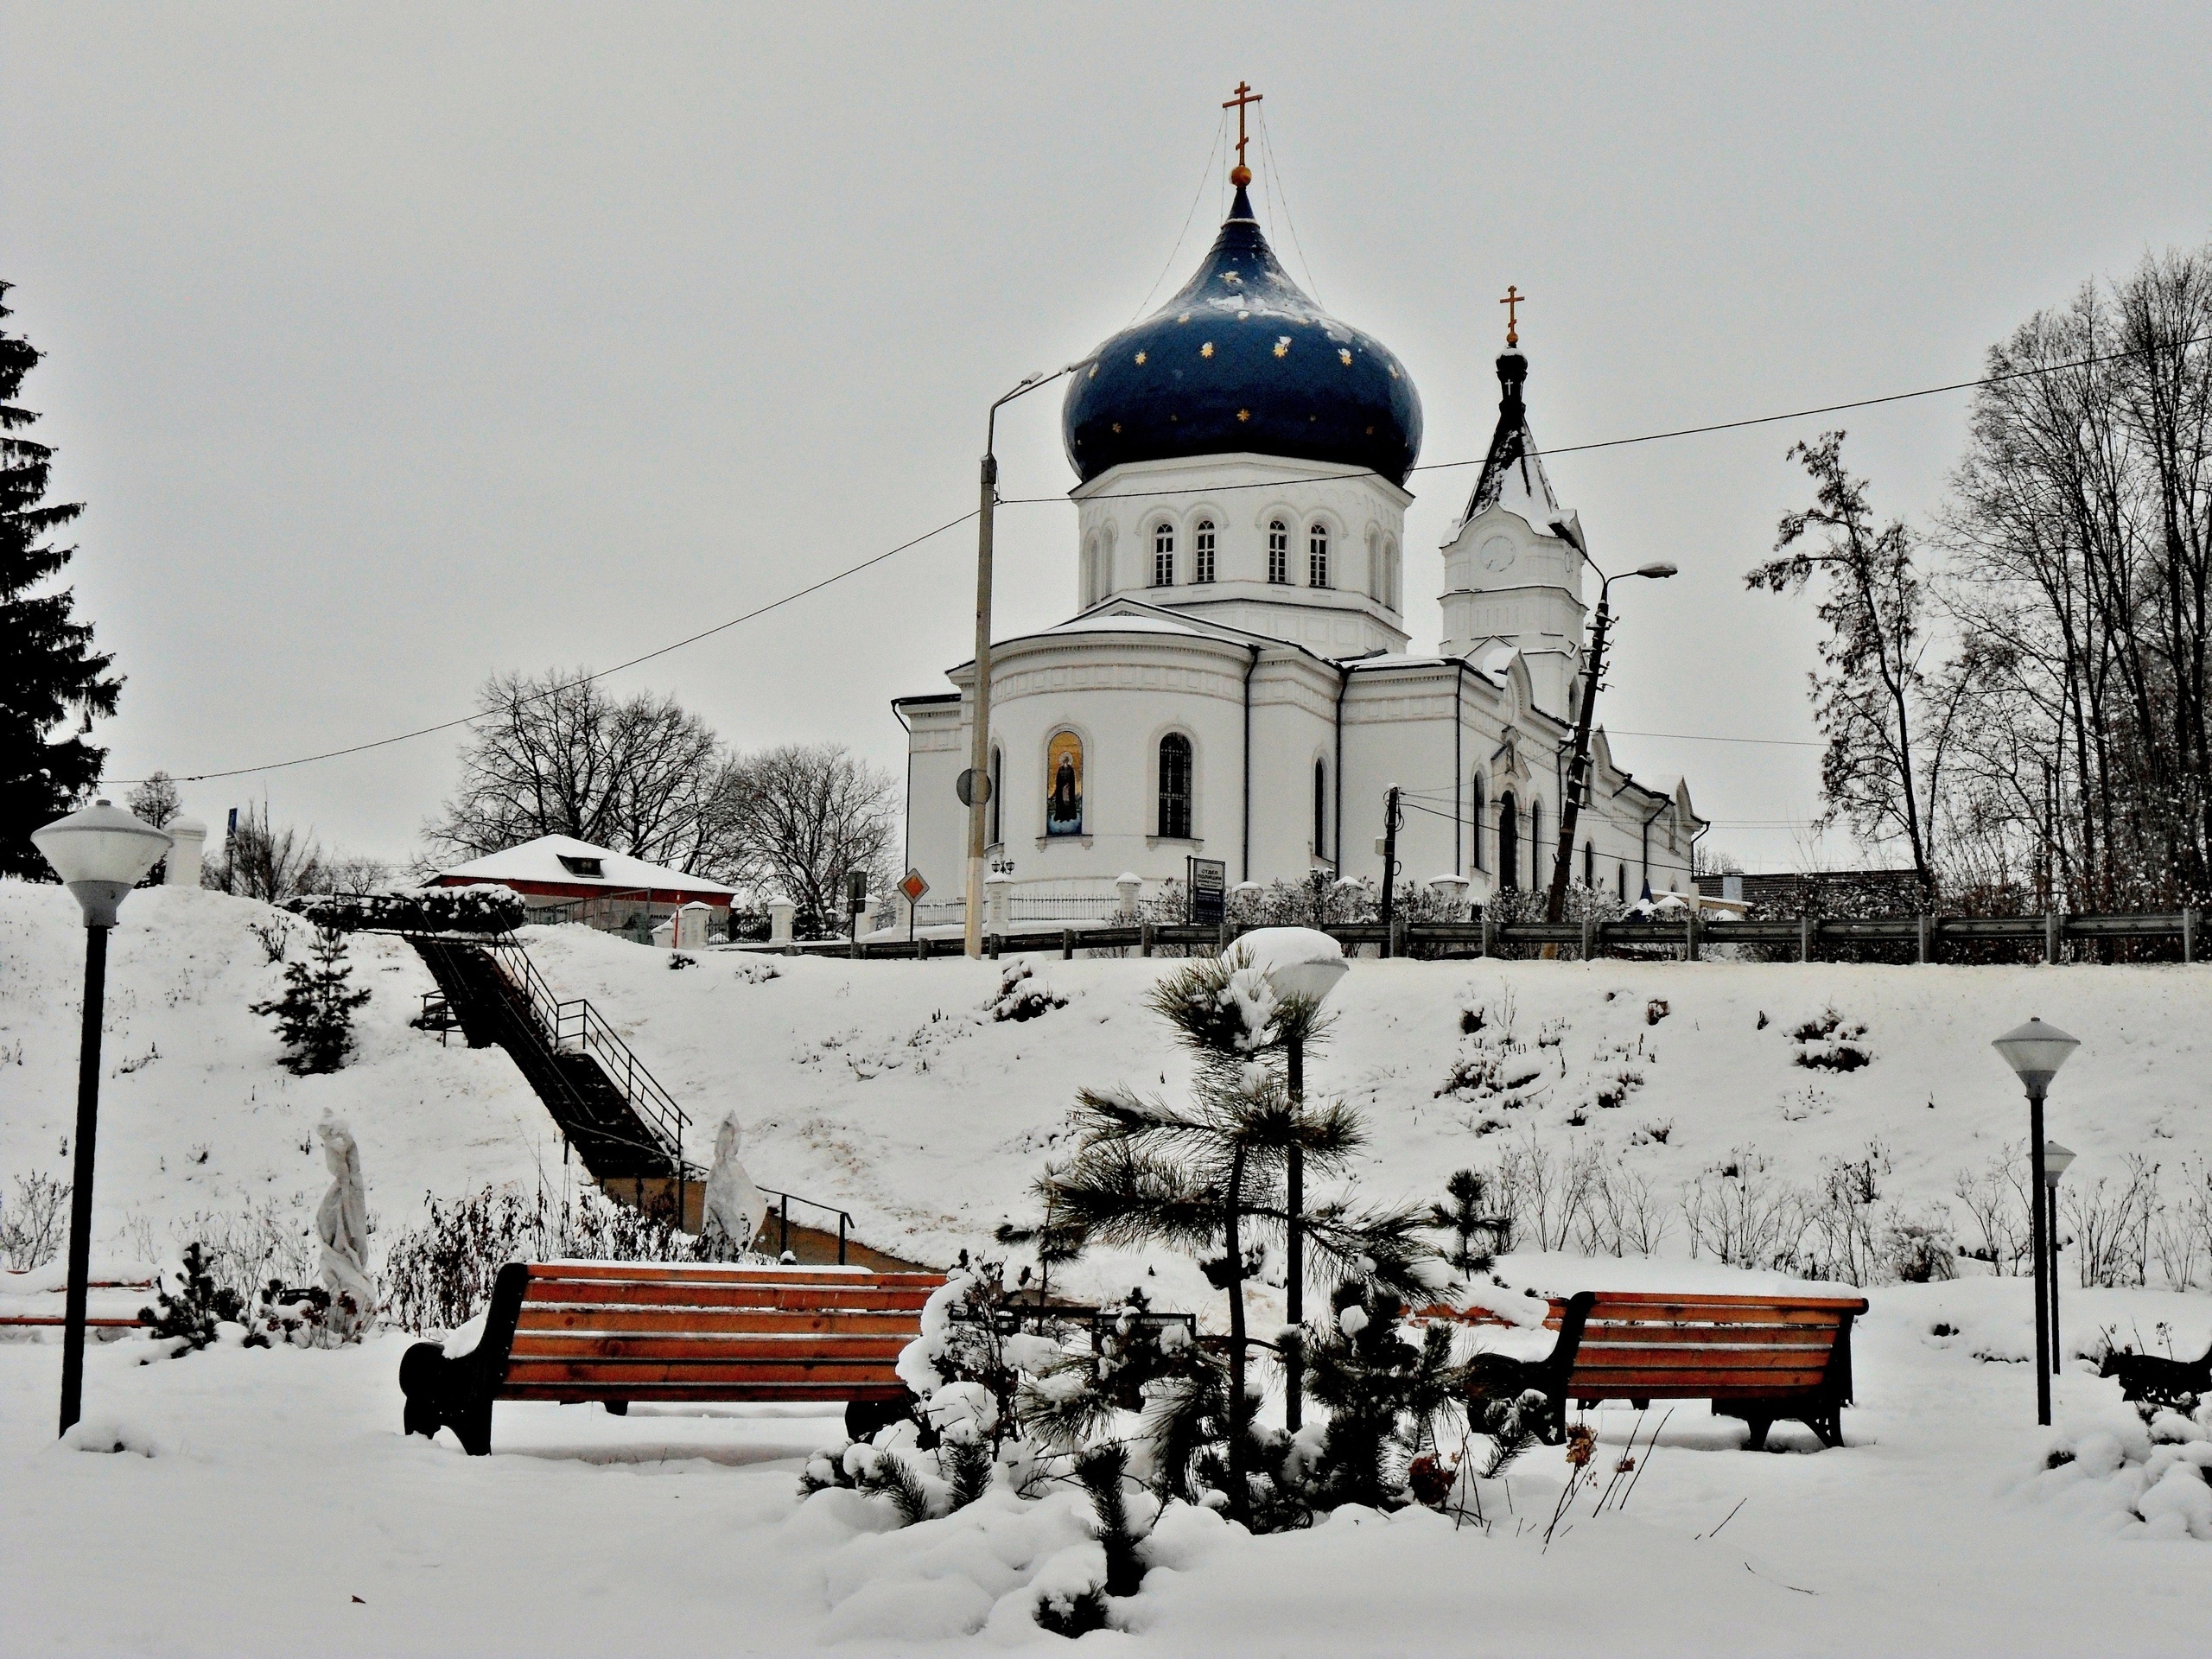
574, 1026
1692, 934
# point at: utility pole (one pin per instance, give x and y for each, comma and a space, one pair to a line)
1578, 767
1390, 817
974, 785
1578, 773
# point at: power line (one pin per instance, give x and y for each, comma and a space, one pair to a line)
588, 679
1644, 437
852, 570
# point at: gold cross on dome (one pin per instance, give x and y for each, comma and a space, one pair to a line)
1514, 300
1245, 95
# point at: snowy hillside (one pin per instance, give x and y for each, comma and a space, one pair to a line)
197, 1116
890, 1088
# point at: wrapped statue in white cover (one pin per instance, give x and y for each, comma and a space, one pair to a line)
342, 1222
734, 1208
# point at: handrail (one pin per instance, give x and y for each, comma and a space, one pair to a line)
574, 1026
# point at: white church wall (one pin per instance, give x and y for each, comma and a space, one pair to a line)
1239, 499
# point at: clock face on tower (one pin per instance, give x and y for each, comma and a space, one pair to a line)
1497, 552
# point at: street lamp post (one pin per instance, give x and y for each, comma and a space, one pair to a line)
2056, 1158
1309, 982
1578, 775
100, 852
2035, 1051
974, 787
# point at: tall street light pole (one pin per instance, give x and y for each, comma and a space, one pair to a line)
2035, 1051
1577, 774
100, 852
975, 782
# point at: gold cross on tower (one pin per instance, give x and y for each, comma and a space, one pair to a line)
1239, 175
1514, 300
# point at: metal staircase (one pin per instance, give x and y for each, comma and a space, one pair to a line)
612, 1111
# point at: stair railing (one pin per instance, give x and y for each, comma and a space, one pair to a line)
572, 1026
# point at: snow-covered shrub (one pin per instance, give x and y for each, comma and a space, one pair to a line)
307, 1316
1997, 1199
31, 1222
315, 1016
1744, 1215
2154, 1469
1021, 996
1828, 1042
190, 1308
483, 907
1919, 1250
1622, 1213
438, 1276
2181, 1234
2111, 1223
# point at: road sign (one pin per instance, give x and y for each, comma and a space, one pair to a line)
1209, 890
913, 887
973, 787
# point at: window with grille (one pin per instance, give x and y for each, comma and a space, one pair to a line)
1201, 552
1279, 553
1175, 787
1163, 556
1317, 557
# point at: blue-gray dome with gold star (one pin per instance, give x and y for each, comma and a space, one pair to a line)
1242, 360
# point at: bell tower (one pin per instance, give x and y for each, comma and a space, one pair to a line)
1510, 579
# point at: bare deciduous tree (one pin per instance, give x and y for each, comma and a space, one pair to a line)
2081, 526
803, 815
1888, 725
261, 860
557, 755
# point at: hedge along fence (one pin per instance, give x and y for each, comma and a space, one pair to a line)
484, 908
2174, 935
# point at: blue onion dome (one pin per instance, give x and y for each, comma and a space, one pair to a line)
1241, 361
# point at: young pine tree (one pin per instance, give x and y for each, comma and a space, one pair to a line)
1462, 1215
315, 1014
1208, 1177
48, 666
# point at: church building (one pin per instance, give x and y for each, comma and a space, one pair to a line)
1236, 682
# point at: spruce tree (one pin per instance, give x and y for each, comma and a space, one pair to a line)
315, 1014
48, 666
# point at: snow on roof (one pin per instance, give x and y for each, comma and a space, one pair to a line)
541, 861
1111, 623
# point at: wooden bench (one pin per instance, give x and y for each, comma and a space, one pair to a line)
1762, 1359
29, 1321
617, 1331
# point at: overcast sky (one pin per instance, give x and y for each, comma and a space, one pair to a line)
392, 347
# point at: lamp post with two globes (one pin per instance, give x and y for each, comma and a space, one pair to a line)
100, 853
2035, 1051
2056, 1158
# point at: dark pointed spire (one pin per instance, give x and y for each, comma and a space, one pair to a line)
1514, 459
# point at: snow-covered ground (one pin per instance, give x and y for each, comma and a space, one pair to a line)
278, 1488
260, 1493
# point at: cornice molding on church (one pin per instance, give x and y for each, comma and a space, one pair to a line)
1124, 481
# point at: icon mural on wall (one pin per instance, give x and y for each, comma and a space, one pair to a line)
1064, 776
